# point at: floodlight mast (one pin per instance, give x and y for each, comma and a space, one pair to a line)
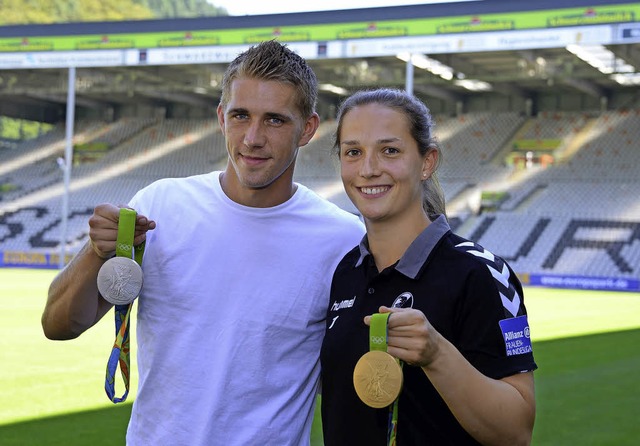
409, 76
68, 158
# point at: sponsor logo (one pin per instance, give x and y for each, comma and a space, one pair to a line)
104, 42
189, 39
476, 24
517, 336
591, 17
348, 303
372, 30
283, 36
26, 44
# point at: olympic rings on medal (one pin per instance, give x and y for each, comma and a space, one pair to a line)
124, 247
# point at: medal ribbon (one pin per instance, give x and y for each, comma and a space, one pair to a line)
378, 341
378, 332
120, 354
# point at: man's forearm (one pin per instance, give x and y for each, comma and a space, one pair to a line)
74, 303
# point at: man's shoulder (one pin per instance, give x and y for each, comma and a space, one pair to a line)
172, 190
164, 185
327, 208
340, 218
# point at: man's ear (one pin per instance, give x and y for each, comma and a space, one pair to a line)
310, 128
220, 112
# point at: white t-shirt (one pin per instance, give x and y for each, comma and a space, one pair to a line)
231, 315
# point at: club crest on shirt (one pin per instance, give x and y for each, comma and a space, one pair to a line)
404, 300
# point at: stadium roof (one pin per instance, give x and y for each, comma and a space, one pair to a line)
507, 68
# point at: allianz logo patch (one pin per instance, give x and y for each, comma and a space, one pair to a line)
517, 338
348, 303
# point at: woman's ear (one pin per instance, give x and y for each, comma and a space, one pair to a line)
429, 163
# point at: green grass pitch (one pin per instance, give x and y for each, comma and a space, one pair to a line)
587, 345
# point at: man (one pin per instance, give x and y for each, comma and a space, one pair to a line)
236, 274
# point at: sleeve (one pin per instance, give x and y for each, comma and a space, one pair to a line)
492, 325
143, 199
135, 201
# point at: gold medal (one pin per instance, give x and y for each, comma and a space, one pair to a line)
377, 376
377, 379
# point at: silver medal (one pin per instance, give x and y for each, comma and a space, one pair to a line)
120, 280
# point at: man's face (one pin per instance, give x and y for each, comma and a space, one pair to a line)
263, 130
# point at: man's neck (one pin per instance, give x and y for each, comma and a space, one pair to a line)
272, 195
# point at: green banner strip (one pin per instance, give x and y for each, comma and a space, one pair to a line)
506, 21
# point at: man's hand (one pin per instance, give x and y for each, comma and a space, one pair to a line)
103, 229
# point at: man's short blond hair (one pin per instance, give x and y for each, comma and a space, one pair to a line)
273, 61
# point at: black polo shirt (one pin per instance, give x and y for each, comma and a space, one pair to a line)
470, 296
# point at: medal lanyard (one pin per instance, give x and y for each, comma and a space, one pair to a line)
378, 332
120, 354
392, 430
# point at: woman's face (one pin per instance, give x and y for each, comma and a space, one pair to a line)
381, 167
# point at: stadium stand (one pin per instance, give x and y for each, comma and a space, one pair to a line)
578, 216
318, 167
541, 167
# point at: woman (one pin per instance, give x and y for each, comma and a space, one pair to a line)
457, 320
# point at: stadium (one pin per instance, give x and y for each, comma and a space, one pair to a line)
537, 111
536, 107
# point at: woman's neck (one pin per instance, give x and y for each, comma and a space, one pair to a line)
390, 239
